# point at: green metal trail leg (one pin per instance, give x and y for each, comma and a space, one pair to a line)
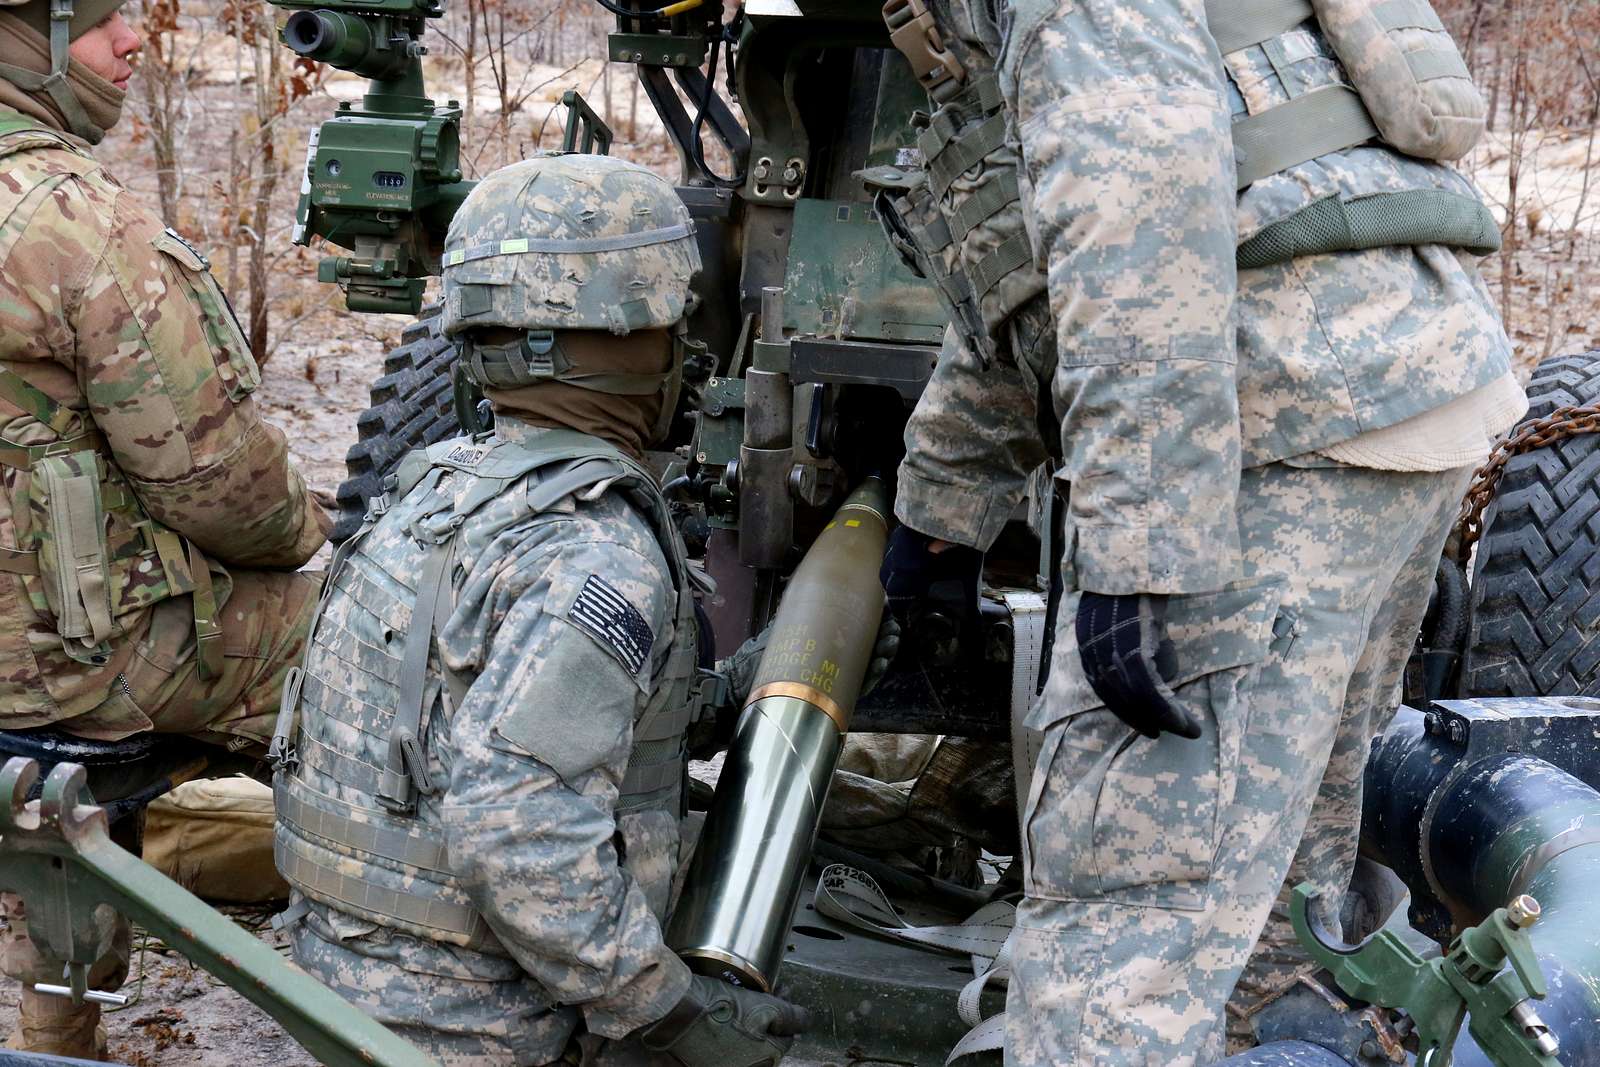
56, 854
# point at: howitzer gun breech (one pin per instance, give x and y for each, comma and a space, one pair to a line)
733, 919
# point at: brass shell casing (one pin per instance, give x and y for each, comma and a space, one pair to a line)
732, 921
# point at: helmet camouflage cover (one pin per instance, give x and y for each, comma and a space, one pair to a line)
569, 242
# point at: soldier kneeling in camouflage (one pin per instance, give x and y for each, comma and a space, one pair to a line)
150, 520
479, 811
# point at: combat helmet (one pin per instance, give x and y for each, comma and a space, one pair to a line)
566, 242
60, 22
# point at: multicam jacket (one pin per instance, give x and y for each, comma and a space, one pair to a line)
134, 463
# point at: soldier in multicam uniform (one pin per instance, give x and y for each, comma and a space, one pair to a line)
150, 519
479, 808
1261, 363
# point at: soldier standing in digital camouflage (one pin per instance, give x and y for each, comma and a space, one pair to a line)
151, 520
1208, 262
482, 768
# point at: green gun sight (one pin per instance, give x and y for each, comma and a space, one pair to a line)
382, 179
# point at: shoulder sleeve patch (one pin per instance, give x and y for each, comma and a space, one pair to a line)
608, 616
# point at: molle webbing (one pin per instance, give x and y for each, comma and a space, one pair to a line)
1299, 130
326, 831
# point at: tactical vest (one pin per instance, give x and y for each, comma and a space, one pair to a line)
87, 551
959, 221
382, 858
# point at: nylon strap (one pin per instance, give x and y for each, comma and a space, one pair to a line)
36, 402
207, 628
519, 246
18, 561
986, 1035
851, 896
1237, 24
406, 770
932, 237
1028, 612
174, 562
1310, 125
23, 457
570, 479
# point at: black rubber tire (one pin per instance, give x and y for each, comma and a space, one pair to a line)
412, 406
1535, 627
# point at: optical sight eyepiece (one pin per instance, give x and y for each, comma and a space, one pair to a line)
345, 41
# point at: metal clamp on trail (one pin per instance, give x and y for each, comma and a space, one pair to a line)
1489, 972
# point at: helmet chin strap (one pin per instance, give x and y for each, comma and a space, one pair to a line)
55, 83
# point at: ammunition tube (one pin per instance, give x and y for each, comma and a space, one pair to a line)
732, 921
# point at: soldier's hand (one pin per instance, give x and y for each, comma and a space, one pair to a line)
719, 1025
1121, 642
885, 647
918, 568
739, 666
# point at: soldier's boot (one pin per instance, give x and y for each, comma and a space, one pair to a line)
58, 1027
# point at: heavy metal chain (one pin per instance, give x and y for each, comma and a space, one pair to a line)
1560, 424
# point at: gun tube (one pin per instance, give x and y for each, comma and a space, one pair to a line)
733, 919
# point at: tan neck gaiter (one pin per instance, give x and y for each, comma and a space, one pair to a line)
624, 421
22, 46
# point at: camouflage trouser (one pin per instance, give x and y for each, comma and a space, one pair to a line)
1153, 865
264, 627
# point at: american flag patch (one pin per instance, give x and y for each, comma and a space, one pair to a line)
607, 615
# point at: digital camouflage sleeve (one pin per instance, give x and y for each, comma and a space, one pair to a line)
971, 443
100, 305
1125, 134
564, 645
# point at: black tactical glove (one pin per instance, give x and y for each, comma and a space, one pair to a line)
885, 647
1121, 641
719, 1025
739, 666
912, 571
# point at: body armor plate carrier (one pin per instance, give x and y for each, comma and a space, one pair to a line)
380, 859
